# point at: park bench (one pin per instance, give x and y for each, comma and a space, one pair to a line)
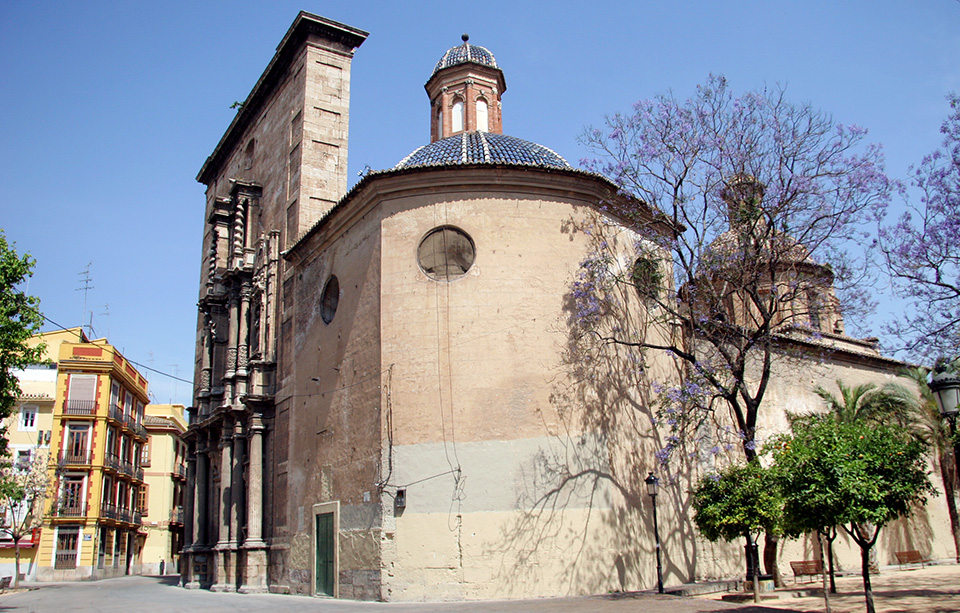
911, 556
5, 584
806, 567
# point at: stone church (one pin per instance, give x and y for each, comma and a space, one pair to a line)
389, 399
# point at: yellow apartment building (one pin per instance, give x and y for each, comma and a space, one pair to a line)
28, 432
92, 528
163, 460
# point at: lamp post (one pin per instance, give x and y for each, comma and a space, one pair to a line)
945, 385
652, 481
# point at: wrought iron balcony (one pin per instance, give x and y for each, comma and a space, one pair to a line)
71, 510
68, 457
116, 413
80, 407
176, 515
139, 430
109, 510
112, 461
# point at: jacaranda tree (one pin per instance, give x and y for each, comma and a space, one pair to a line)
768, 201
922, 250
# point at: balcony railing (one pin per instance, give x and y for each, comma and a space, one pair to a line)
80, 407
66, 559
176, 515
112, 461
68, 457
66, 510
108, 510
116, 413
137, 517
181, 471
138, 474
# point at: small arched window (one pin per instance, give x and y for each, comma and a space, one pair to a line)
457, 119
439, 123
483, 124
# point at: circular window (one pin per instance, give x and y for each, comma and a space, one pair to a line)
330, 299
445, 253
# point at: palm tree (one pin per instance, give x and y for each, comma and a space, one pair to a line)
868, 402
931, 428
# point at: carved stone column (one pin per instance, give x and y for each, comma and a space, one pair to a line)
206, 365
243, 341
255, 568
201, 510
238, 233
187, 578
225, 562
233, 339
236, 484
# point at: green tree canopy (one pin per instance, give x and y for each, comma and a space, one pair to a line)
20, 319
738, 502
856, 474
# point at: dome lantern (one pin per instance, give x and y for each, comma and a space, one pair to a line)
464, 91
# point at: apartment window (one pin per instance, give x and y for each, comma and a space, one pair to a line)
145, 454
28, 418
72, 497
68, 540
23, 460
82, 395
114, 394
78, 437
142, 499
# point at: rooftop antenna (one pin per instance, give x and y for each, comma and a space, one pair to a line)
86, 287
176, 373
106, 313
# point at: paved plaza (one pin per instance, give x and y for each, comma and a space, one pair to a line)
929, 590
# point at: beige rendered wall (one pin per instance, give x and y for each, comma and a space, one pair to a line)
328, 429
522, 464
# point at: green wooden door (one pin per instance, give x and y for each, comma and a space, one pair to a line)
326, 572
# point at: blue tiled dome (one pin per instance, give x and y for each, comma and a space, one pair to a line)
483, 148
462, 54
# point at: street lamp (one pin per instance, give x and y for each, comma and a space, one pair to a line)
652, 481
945, 386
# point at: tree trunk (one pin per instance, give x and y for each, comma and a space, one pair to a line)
865, 571
948, 472
823, 577
16, 574
770, 558
831, 536
753, 566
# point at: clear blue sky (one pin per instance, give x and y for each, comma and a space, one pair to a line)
108, 110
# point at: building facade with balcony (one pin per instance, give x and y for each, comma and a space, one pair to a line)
92, 528
163, 459
28, 433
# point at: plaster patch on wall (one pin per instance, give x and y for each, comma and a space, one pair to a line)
500, 475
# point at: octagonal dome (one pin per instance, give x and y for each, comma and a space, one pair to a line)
466, 53
483, 148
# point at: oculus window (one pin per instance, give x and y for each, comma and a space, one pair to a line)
445, 253
330, 299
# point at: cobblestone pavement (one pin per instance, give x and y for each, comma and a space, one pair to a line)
934, 589
928, 590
